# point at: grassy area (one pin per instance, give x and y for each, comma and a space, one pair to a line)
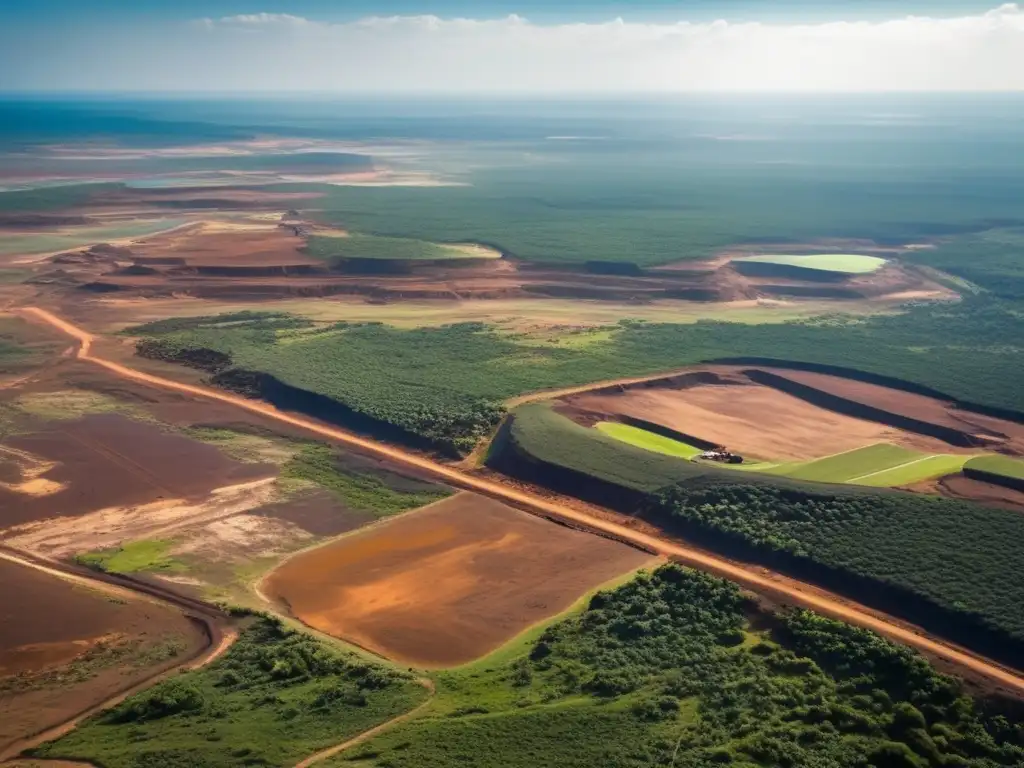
641, 438
274, 698
444, 386
915, 471
67, 404
380, 491
144, 555
849, 465
845, 263
882, 465
666, 670
357, 246
1002, 466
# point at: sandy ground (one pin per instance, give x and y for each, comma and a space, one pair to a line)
754, 421
447, 584
53, 635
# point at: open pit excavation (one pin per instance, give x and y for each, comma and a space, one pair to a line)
752, 578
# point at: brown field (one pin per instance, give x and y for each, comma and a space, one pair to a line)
1007, 434
724, 407
66, 647
960, 487
447, 584
107, 460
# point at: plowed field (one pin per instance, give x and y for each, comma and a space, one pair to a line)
449, 583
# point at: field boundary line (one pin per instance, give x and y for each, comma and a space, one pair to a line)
898, 466
756, 579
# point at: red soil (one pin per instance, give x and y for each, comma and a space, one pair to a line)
105, 460
447, 584
49, 623
724, 407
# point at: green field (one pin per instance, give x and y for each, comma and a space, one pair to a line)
358, 246
274, 698
133, 557
641, 438
669, 670
882, 465
846, 263
1003, 466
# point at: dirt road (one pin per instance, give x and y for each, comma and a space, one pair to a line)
757, 580
220, 640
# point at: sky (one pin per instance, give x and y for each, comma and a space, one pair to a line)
509, 46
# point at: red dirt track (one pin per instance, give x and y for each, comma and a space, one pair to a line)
49, 623
449, 583
787, 590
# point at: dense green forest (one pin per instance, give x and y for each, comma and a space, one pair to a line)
275, 697
668, 671
445, 386
951, 565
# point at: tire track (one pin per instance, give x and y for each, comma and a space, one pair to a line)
757, 580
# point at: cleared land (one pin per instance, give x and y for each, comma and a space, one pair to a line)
844, 263
65, 647
447, 584
751, 419
108, 460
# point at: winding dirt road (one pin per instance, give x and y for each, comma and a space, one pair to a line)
755, 579
220, 640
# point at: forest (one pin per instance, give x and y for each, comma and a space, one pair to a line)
275, 697
949, 565
678, 668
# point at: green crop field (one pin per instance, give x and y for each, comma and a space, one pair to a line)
850, 465
915, 471
846, 263
274, 698
641, 438
1002, 466
80, 237
669, 669
358, 246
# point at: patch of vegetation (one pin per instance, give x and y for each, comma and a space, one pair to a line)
357, 246
102, 655
143, 555
998, 465
274, 698
68, 404
250, 319
667, 671
382, 493
443, 387
650, 441
949, 564
849, 465
843, 263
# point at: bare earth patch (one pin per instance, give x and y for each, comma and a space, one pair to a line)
447, 584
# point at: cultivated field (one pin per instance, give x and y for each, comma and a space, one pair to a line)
843, 263
65, 647
447, 584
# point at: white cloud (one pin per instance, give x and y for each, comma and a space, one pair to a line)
984, 51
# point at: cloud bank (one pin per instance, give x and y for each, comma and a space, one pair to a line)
274, 51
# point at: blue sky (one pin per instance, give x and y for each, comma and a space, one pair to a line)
509, 46
38, 12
